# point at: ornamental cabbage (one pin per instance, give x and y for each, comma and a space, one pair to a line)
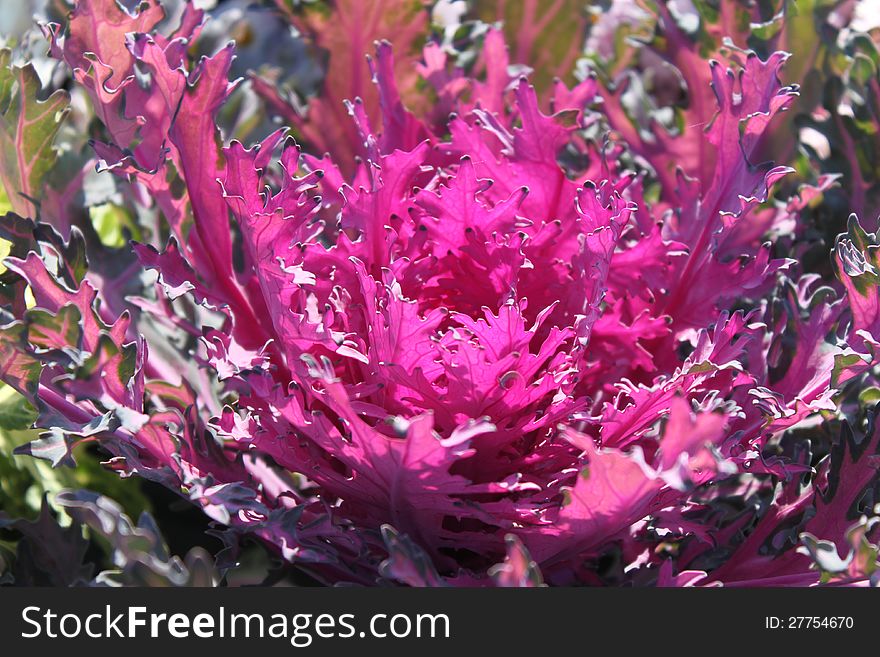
459, 322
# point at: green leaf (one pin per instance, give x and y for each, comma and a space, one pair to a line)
59, 331
16, 412
546, 35
109, 220
18, 368
862, 70
56, 445
869, 396
27, 133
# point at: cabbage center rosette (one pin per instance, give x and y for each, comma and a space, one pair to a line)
445, 326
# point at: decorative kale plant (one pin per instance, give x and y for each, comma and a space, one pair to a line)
470, 319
